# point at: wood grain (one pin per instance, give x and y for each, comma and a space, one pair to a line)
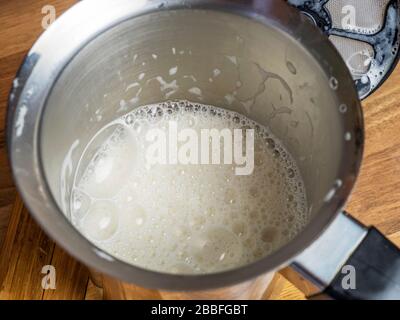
376, 198
21, 22
72, 278
25, 248
93, 292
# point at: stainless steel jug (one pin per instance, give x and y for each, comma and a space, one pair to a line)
75, 78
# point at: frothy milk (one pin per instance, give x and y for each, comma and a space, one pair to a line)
180, 218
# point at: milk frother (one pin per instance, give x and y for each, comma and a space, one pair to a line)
83, 63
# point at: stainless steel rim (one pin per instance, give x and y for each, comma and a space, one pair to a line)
56, 48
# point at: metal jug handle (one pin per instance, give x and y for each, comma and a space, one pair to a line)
349, 261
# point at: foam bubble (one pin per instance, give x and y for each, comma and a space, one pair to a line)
112, 163
216, 247
101, 222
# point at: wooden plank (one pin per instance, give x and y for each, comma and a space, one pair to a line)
93, 292
7, 197
376, 198
25, 251
21, 22
289, 292
71, 278
7, 248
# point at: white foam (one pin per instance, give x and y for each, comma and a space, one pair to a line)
185, 218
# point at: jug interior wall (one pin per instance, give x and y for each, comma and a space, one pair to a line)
214, 58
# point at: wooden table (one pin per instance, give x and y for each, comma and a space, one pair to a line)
25, 249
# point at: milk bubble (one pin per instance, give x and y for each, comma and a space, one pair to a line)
101, 222
109, 167
133, 216
217, 247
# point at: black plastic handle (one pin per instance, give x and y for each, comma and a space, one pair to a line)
376, 263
